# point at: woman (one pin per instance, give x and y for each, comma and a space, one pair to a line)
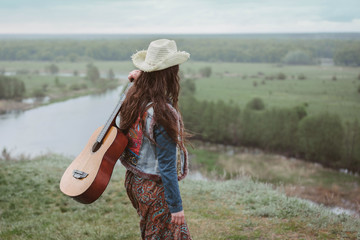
155, 156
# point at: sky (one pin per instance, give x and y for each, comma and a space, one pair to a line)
178, 16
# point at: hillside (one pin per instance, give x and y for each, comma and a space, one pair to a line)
32, 207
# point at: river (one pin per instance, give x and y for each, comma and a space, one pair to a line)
63, 127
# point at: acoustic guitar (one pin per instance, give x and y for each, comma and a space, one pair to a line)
89, 173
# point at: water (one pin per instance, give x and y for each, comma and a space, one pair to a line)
63, 127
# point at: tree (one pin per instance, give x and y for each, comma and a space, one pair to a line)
256, 104
92, 72
52, 68
11, 87
321, 137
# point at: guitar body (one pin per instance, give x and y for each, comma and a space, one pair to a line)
89, 174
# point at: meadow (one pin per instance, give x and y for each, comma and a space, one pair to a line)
241, 82
325, 88
32, 207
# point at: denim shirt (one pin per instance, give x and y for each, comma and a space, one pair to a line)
166, 152
163, 161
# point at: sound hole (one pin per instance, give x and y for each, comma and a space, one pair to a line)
96, 146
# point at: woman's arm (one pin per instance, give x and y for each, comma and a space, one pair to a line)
166, 153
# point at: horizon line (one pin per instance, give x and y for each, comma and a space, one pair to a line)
94, 33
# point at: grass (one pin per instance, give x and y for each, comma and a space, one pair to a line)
235, 82
32, 207
292, 176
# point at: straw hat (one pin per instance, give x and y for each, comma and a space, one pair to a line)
160, 54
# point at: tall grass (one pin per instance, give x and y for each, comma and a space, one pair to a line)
32, 207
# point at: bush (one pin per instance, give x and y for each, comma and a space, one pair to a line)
321, 138
52, 68
334, 78
74, 87
38, 93
301, 76
281, 76
205, 72
256, 104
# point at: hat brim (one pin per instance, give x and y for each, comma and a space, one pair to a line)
171, 60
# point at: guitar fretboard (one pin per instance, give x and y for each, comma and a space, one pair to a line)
111, 119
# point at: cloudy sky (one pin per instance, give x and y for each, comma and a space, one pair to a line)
179, 16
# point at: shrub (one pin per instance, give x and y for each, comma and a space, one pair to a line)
52, 68
281, 76
301, 76
74, 87
256, 104
38, 93
205, 72
334, 78
83, 86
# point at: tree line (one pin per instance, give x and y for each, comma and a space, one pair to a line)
343, 51
321, 138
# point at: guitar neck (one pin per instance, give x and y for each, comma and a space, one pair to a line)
110, 122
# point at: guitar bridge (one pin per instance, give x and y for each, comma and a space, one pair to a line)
79, 174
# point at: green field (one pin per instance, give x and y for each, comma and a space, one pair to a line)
235, 81
32, 207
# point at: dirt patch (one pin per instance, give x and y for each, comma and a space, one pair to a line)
11, 105
331, 197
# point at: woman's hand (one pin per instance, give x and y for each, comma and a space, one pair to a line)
178, 218
133, 75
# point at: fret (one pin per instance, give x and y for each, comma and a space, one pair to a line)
111, 119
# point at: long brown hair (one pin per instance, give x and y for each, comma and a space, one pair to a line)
159, 88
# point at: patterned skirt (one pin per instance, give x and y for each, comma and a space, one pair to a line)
147, 197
